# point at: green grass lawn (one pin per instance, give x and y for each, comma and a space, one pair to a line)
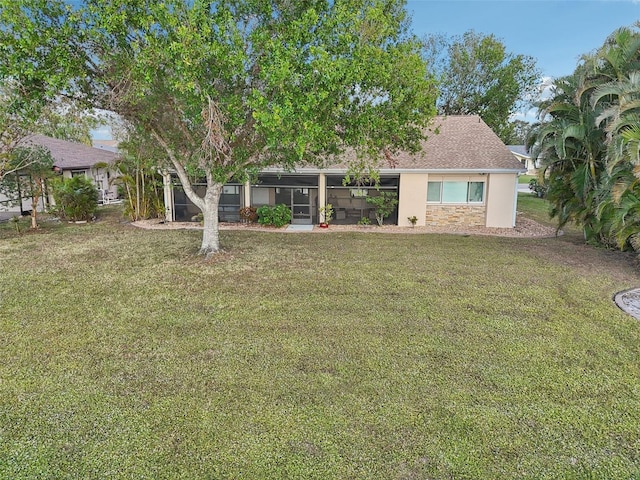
525, 178
535, 208
332, 355
538, 209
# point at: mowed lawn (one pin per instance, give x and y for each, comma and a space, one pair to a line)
330, 355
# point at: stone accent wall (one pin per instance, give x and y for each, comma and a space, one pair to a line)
469, 215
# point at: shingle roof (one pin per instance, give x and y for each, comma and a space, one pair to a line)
71, 155
462, 142
519, 150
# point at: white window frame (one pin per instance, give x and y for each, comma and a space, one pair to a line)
467, 180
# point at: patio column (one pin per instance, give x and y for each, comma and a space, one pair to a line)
322, 193
246, 194
168, 196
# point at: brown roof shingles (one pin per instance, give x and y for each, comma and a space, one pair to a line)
71, 155
462, 143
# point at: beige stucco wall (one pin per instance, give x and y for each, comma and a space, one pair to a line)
412, 198
501, 200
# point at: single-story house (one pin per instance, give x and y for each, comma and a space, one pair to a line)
464, 175
72, 159
524, 157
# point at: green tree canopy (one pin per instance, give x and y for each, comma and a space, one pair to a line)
478, 76
231, 86
16, 116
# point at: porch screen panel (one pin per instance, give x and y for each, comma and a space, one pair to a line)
230, 203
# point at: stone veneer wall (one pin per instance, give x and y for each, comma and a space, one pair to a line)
471, 215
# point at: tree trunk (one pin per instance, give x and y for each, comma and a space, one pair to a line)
208, 204
210, 234
35, 199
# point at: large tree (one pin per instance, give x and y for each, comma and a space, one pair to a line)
571, 150
231, 86
477, 75
67, 120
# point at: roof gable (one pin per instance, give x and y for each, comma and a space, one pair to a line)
71, 155
453, 143
462, 142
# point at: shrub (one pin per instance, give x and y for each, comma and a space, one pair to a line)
385, 203
248, 214
277, 216
76, 198
537, 188
327, 213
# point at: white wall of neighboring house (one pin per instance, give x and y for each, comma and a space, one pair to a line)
13, 205
102, 178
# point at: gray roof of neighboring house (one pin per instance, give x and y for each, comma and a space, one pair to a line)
519, 150
108, 145
71, 155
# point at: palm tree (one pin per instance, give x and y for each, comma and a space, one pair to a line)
571, 150
619, 101
589, 142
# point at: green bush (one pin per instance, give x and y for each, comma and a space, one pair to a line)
76, 198
277, 216
537, 188
385, 203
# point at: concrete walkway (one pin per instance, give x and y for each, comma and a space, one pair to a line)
629, 301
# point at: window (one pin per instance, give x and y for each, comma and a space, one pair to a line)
433, 192
455, 192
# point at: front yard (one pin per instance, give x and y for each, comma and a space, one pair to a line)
314, 356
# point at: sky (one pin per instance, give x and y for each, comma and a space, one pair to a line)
554, 32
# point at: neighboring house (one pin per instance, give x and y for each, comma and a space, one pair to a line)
109, 145
71, 159
523, 156
464, 175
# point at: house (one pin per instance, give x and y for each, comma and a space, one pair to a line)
71, 159
463, 175
523, 156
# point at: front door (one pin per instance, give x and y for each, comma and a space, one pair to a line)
299, 201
